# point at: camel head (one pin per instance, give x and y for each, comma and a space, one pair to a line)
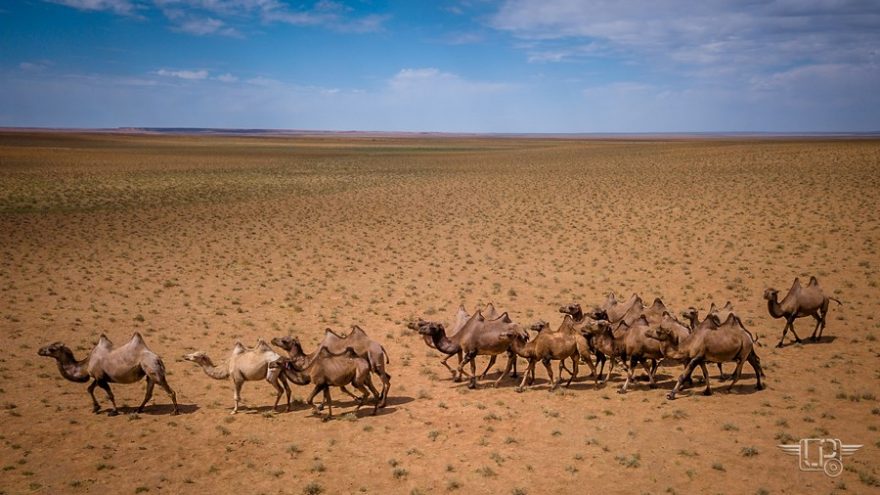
197, 357
571, 309
287, 342
539, 326
416, 324
664, 331
594, 327
597, 313
431, 328
54, 350
771, 294
690, 314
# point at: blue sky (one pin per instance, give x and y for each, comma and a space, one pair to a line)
444, 65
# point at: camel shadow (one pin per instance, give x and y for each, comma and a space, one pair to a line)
825, 339
159, 409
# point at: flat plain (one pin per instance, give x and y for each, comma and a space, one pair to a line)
201, 241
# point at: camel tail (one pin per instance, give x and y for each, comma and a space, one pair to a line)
387, 359
836, 300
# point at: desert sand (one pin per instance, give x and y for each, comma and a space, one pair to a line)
198, 242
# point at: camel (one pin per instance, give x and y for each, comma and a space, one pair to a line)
638, 348
721, 314
366, 348
798, 303
566, 342
729, 342
461, 318
294, 351
245, 365
106, 364
326, 369
477, 337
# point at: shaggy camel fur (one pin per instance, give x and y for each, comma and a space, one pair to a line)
730, 342
798, 303
245, 365
105, 365
566, 342
366, 348
326, 369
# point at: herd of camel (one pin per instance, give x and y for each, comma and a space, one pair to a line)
626, 331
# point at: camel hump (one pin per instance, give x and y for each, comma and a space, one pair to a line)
355, 329
813, 281
238, 348
479, 316
731, 319
728, 306
505, 317
712, 307
643, 320
658, 303
103, 341
796, 283
137, 338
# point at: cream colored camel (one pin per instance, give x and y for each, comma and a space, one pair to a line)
105, 365
245, 365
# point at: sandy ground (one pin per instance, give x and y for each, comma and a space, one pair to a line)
200, 242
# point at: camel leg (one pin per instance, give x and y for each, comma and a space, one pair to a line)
755, 363
788, 323
162, 382
451, 370
486, 371
820, 318
386, 386
329, 401
472, 357
629, 375
651, 371
365, 394
721, 375
600, 360
736, 374
461, 365
348, 393
562, 367
106, 387
95, 406
553, 382
510, 363
311, 400
380, 398
574, 366
589, 362
286, 390
529, 369
278, 391
148, 395
513, 356
236, 394
687, 372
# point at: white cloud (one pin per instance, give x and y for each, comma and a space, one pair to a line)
227, 78
34, 66
123, 7
431, 79
190, 75
711, 32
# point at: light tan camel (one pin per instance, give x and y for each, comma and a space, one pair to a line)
245, 365
105, 365
798, 303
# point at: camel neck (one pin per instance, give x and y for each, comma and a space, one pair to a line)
773, 308
71, 369
443, 344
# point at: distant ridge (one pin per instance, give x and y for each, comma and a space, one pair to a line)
352, 133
